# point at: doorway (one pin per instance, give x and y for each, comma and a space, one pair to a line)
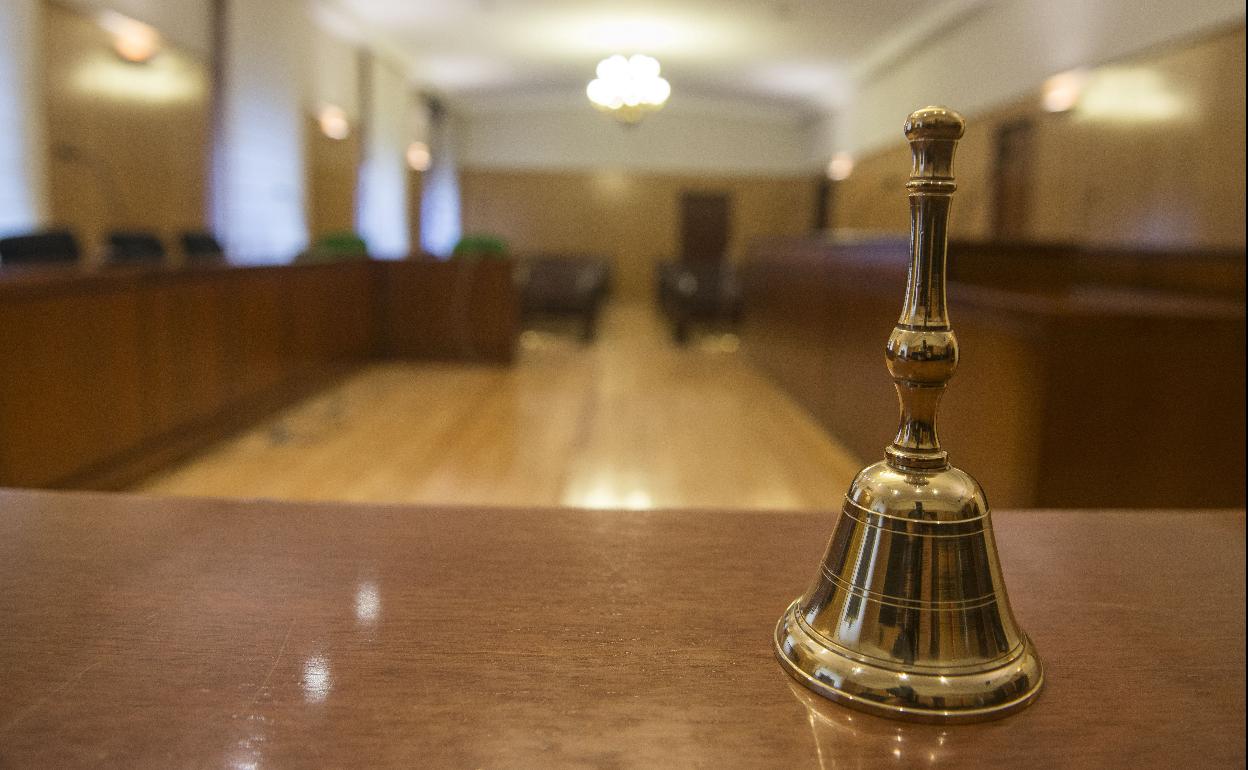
705, 224
1013, 172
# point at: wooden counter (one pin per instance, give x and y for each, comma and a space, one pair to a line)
1127, 393
141, 632
107, 374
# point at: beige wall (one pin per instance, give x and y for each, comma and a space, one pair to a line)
632, 218
127, 144
1177, 181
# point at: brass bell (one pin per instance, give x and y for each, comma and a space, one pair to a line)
908, 616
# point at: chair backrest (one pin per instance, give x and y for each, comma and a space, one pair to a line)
201, 247
135, 247
50, 247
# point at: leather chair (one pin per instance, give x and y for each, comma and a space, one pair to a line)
135, 248
51, 247
553, 285
201, 248
691, 292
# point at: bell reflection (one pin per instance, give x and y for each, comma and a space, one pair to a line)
845, 738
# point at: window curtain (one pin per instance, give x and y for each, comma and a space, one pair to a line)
440, 223
21, 151
381, 205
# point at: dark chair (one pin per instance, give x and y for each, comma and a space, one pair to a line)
698, 292
563, 286
135, 248
201, 248
52, 247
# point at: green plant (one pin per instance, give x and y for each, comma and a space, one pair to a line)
480, 247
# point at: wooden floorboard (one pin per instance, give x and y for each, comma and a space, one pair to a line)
630, 421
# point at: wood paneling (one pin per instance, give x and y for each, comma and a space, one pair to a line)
458, 310
1170, 181
631, 219
1068, 393
333, 180
111, 370
65, 357
148, 632
128, 143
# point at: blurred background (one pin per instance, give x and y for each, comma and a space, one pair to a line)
613, 255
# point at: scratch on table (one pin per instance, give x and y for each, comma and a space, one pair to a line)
276, 659
46, 697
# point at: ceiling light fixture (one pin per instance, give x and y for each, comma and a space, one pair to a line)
628, 89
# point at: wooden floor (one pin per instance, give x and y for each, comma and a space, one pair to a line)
630, 421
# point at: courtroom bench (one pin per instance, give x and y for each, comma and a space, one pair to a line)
1127, 392
110, 374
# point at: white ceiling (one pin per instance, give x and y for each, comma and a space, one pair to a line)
803, 52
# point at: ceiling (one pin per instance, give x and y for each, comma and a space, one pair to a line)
806, 52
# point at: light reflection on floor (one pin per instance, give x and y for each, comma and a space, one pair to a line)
631, 421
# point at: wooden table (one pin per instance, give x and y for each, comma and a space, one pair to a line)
145, 632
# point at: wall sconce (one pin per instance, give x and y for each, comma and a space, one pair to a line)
333, 121
418, 156
133, 40
840, 167
1062, 91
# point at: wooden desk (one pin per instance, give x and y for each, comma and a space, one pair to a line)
141, 632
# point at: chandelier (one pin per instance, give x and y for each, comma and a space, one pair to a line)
629, 88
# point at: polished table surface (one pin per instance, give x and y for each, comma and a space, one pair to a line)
148, 632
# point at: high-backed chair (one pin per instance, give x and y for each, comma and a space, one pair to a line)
44, 248
691, 292
135, 248
201, 247
553, 285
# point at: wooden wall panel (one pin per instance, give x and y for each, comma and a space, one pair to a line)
128, 143
449, 310
110, 374
259, 337
67, 356
1175, 181
631, 219
333, 179
186, 359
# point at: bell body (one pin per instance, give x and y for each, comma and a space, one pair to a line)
908, 616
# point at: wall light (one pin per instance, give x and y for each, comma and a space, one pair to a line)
1062, 91
840, 167
133, 40
333, 121
418, 156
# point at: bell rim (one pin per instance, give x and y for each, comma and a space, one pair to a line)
910, 713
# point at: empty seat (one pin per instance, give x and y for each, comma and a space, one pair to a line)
563, 286
135, 248
201, 247
691, 292
50, 247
